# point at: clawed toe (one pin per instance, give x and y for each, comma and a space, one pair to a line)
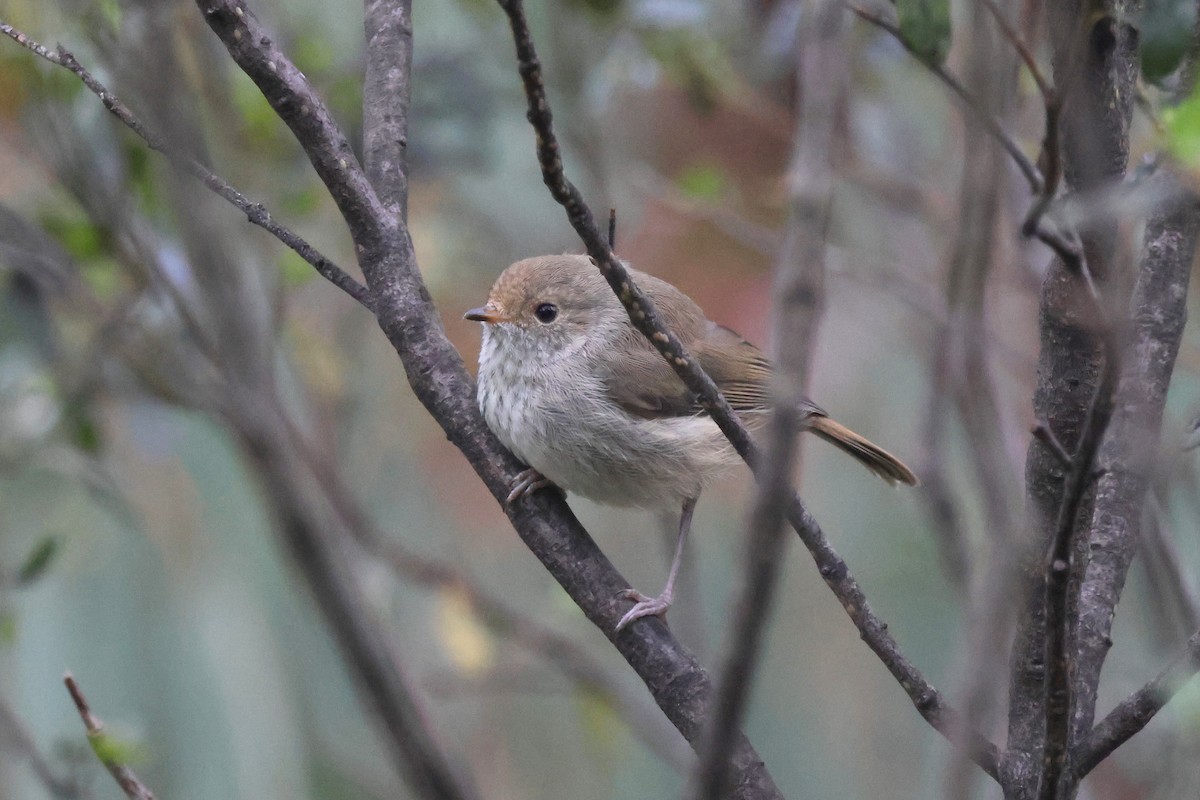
528, 480
644, 607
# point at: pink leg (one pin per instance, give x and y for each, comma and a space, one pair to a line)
657, 606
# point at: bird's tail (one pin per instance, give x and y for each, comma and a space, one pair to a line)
870, 455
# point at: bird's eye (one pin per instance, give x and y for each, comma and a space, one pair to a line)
546, 313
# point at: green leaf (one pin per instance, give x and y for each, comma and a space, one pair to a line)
1182, 124
302, 201
702, 182
8, 627
84, 431
77, 235
925, 26
1165, 34
39, 560
115, 751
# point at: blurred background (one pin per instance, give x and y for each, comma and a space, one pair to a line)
137, 545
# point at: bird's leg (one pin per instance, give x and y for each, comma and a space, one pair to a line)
657, 606
526, 481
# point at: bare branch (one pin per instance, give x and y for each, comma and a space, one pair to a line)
1095, 66
1019, 45
386, 95
255, 212
645, 317
102, 746
1059, 687
1043, 434
1135, 711
437, 376
822, 75
989, 122
17, 740
1158, 314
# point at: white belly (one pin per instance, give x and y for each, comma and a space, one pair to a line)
563, 425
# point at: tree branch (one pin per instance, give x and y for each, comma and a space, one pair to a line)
386, 93
1135, 711
104, 748
646, 319
1094, 62
17, 740
990, 124
255, 212
822, 76
1158, 313
438, 378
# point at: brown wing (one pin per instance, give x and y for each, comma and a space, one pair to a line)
636, 377
644, 384
740, 370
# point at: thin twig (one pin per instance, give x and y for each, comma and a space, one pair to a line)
1043, 434
989, 123
1059, 688
646, 319
19, 742
1019, 45
822, 73
255, 212
1042, 182
505, 620
436, 374
1134, 712
102, 746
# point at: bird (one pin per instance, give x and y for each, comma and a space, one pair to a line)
576, 392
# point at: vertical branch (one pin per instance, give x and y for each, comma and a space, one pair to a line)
387, 91
963, 382
1094, 65
1158, 314
822, 76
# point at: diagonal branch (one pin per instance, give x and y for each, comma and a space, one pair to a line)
990, 124
105, 749
439, 380
1135, 711
645, 317
19, 743
255, 212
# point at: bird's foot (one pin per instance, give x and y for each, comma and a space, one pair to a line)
644, 607
527, 481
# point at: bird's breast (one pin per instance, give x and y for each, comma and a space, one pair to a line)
559, 419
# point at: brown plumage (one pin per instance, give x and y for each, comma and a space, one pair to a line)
575, 391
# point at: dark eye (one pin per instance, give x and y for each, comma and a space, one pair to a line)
546, 313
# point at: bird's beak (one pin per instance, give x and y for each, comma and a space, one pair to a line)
488, 313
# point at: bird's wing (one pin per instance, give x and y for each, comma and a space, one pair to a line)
740, 370
639, 380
